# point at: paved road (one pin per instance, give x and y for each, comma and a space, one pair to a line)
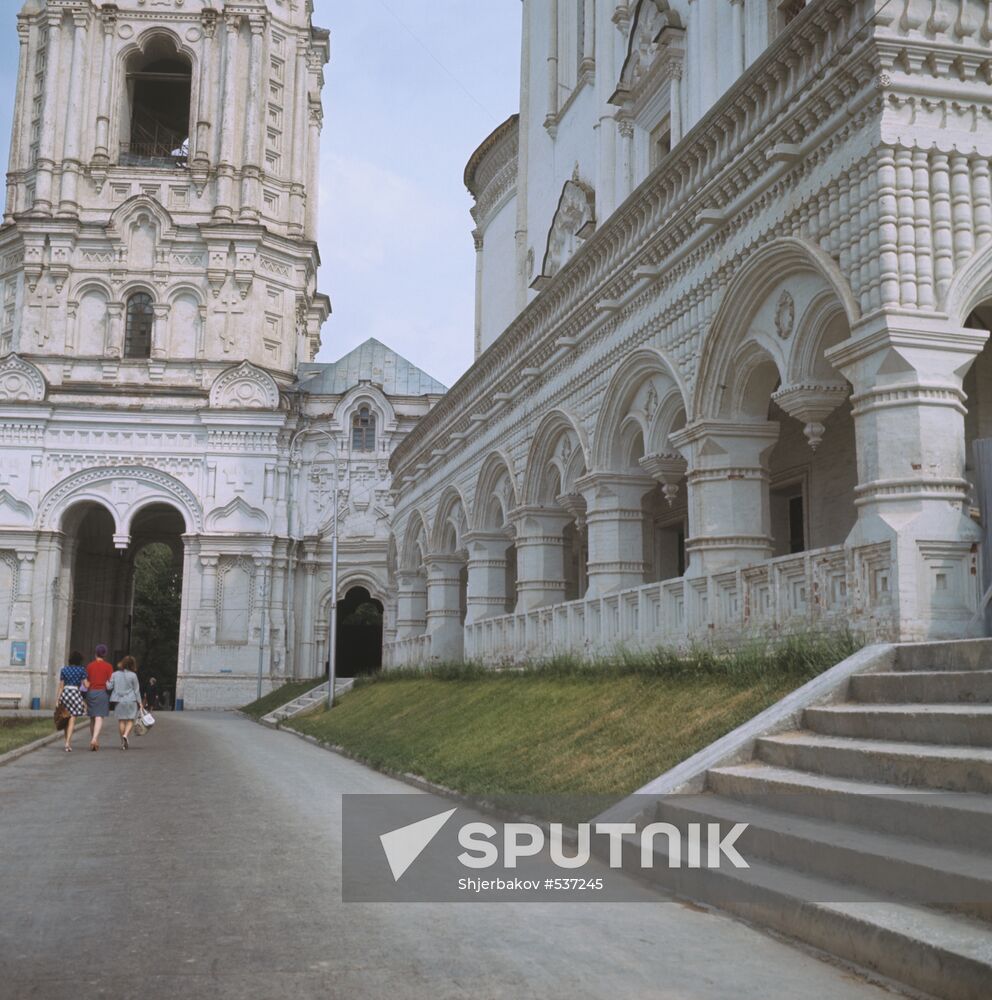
204, 863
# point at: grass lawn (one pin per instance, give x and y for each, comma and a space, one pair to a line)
16, 732
277, 698
529, 735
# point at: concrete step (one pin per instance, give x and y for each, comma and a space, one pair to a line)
891, 866
946, 955
921, 687
955, 655
960, 725
958, 769
957, 819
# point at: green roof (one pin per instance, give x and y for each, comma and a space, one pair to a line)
369, 362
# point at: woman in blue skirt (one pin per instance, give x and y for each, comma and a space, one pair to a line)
70, 695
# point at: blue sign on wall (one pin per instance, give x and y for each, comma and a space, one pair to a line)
18, 654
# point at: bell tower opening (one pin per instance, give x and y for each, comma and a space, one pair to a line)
156, 122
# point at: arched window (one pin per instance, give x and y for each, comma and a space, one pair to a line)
157, 116
138, 329
363, 430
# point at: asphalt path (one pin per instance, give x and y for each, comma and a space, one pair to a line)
205, 863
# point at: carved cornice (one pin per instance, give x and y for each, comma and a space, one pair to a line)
781, 98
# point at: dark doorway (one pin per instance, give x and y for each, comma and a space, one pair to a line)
159, 86
130, 599
359, 645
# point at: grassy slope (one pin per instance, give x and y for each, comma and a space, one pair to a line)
16, 732
279, 697
528, 734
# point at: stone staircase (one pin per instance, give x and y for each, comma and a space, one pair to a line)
870, 833
307, 701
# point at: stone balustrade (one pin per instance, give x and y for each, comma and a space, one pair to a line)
837, 586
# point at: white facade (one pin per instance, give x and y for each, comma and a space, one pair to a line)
160, 313
753, 252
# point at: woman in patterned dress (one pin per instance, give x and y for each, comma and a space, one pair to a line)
70, 696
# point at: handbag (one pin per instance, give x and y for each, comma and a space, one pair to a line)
139, 727
147, 719
61, 717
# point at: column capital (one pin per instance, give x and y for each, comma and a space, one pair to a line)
811, 403
537, 520
669, 469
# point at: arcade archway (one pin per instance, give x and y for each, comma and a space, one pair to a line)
359, 643
127, 598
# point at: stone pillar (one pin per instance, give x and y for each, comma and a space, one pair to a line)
187, 616
615, 520
540, 556
411, 604
160, 331
551, 118
909, 406
101, 152
206, 106
50, 104
251, 189
297, 141
587, 42
479, 246
14, 162
444, 613
71, 165
487, 597
224, 209
737, 41
729, 517
316, 121
625, 178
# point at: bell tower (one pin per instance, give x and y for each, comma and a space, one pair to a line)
161, 211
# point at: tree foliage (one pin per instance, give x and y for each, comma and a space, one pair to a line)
158, 581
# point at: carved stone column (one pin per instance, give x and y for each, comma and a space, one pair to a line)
615, 519
909, 407
297, 141
487, 597
540, 556
729, 516
101, 153
71, 165
411, 604
206, 108
160, 331
15, 158
224, 209
50, 102
444, 612
251, 190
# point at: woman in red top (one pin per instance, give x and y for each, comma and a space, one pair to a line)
97, 700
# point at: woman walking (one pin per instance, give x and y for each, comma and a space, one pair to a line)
126, 692
70, 696
97, 702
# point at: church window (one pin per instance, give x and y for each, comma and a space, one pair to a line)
138, 328
157, 119
661, 141
363, 430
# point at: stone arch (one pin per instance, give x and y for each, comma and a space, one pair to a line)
357, 578
641, 393
450, 523
415, 543
559, 447
788, 267
495, 493
970, 287
186, 305
124, 491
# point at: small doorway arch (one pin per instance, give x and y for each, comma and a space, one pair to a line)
359, 641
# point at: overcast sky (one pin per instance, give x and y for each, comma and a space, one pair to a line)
401, 118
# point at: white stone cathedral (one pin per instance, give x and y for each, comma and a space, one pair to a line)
734, 282
159, 320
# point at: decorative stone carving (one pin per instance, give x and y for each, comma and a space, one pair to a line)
574, 220
237, 517
669, 469
20, 381
811, 405
244, 388
785, 315
649, 40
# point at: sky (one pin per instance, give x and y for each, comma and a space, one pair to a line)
412, 88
